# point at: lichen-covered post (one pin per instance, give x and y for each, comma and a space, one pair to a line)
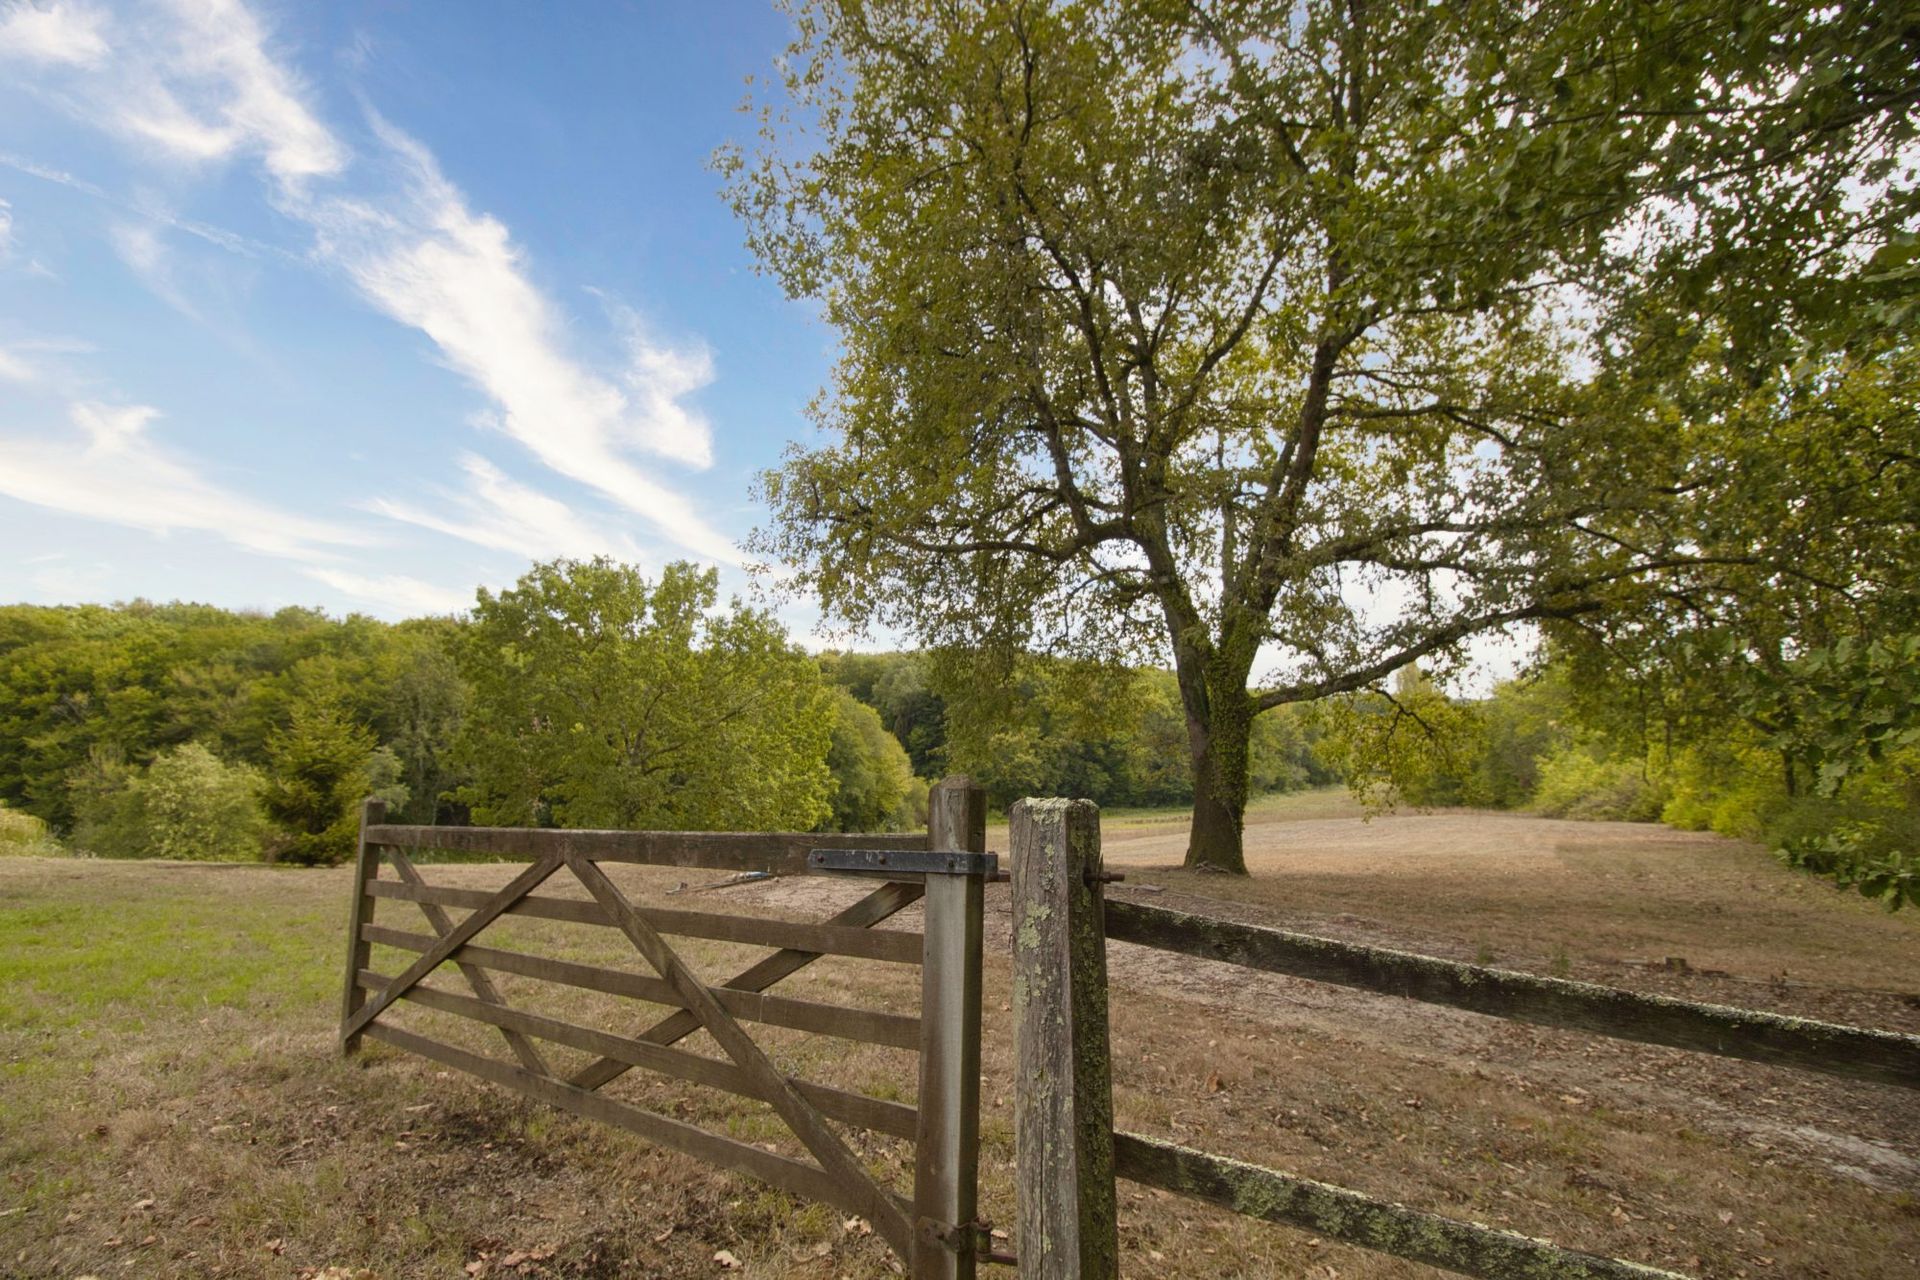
366, 866
1063, 1090
947, 1156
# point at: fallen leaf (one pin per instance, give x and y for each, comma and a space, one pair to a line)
727, 1261
662, 1237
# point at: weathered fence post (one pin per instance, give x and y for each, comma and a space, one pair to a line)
366, 865
945, 1184
1063, 1087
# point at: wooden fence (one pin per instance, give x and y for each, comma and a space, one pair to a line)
1069, 1153
935, 1228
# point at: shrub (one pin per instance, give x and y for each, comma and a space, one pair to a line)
188, 804
1575, 783
197, 808
24, 836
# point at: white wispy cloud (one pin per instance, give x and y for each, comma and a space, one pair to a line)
139, 246
13, 368
6, 230
499, 512
431, 262
108, 467
197, 81
396, 592
58, 33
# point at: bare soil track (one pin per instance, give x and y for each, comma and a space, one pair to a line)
182, 1127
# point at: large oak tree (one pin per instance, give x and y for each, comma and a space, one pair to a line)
1284, 340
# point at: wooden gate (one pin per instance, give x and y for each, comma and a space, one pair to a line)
934, 1229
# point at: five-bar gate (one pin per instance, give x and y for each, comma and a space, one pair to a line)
935, 1228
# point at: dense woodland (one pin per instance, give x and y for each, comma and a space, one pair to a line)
590, 696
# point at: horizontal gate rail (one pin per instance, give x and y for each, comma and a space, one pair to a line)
1883, 1057
1463, 1247
785, 1172
895, 945
778, 852
869, 1026
837, 1104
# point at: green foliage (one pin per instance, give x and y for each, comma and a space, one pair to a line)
194, 806
601, 700
1163, 326
897, 686
1115, 735
24, 836
188, 805
874, 788
318, 773
1575, 783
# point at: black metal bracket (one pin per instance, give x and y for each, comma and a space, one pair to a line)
903, 864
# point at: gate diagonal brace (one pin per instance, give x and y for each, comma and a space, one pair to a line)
806, 1123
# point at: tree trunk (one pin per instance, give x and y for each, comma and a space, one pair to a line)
1219, 731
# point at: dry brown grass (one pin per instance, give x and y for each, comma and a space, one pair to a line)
171, 1105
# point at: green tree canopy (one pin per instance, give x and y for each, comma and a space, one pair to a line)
603, 700
1247, 334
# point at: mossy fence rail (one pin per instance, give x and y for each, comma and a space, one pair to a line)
934, 1228
1069, 1154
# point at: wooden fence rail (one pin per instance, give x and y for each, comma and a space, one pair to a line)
934, 1228
1068, 1155
1884, 1057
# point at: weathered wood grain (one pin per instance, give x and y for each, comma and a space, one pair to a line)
1885, 1057
366, 865
807, 1124
1063, 1075
946, 1169
482, 985
892, 945
788, 1174
483, 915
838, 1104
879, 905
1465, 1248
869, 1026
776, 852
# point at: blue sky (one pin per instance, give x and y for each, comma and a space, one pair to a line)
363, 304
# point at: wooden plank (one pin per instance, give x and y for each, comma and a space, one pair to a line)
476, 977
838, 1104
1063, 1072
1885, 1057
807, 1124
892, 945
869, 1026
366, 865
482, 916
879, 905
1465, 1248
777, 852
947, 1152
788, 1174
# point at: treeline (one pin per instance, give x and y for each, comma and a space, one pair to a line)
587, 695
1821, 765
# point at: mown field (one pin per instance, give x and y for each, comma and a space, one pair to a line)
171, 1103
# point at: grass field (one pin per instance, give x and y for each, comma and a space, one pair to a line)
171, 1104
